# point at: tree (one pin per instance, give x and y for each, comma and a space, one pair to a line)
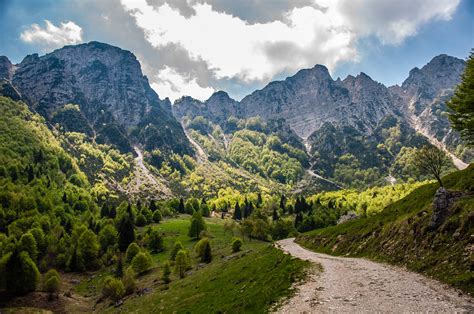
152, 206
51, 283
88, 249
181, 263
126, 232
155, 241
166, 272
132, 250
197, 225
129, 281
107, 237
207, 254
181, 208
157, 216
113, 288
119, 268
22, 275
462, 103
259, 200
141, 263
28, 245
431, 160
176, 248
236, 244
200, 246
275, 216
283, 203
237, 212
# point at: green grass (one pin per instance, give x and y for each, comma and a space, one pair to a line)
250, 281
400, 235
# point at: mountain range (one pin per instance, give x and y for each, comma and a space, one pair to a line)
350, 132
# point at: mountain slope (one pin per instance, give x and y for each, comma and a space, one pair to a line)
404, 233
116, 103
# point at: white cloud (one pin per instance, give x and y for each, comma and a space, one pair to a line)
169, 83
324, 32
51, 36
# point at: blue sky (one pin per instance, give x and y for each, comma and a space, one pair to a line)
196, 47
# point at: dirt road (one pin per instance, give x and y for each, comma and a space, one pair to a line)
353, 285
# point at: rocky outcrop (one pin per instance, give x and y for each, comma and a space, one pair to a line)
113, 95
442, 202
6, 68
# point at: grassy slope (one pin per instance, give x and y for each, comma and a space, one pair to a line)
249, 281
399, 234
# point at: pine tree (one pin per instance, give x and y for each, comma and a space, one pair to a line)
104, 210
22, 275
259, 200
207, 254
283, 203
64, 197
197, 225
298, 220
126, 232
237, 212
275, 214
181, 208
166, 272
153, 206
462, 103
119, 268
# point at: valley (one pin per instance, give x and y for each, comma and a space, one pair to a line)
307, 195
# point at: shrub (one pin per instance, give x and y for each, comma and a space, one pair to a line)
207, 254
141, 220
236, 244
107, 237
129, 281
22, 275
176, 248
155, 241
51, 282
141, 262
197, 225
182, 263
28, 245
113, 288
200, 246
157, 216
166, 272
132, 250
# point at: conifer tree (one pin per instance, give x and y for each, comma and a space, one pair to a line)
197, 225
119, 268
237, 212
207, 254
126, 232
283, 203
181, 208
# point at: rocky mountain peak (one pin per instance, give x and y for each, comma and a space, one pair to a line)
107, 83
6, 68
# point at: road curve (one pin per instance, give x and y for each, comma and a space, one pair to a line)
355, 285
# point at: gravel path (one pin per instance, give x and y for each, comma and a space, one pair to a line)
354, 285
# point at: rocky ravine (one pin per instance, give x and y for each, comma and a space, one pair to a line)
354, 285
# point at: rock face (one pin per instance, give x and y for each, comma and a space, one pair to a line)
6, 68
333, 117
442, 202
422, 99
106, 82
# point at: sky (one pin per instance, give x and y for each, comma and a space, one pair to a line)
197, 47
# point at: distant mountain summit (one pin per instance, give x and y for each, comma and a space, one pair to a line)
116, 103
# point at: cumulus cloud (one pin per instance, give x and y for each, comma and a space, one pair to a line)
51, 36
254, 41
173, 85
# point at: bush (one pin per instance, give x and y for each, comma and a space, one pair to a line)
28, 244
22, 275
51, 282
108, 237
197, 225
129, 281
141, 220
113, 288
132, 250
182, 263
166, 272
141, 262
155, 241
200, 246
236, 244
207, 254
176, 248
157, 217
